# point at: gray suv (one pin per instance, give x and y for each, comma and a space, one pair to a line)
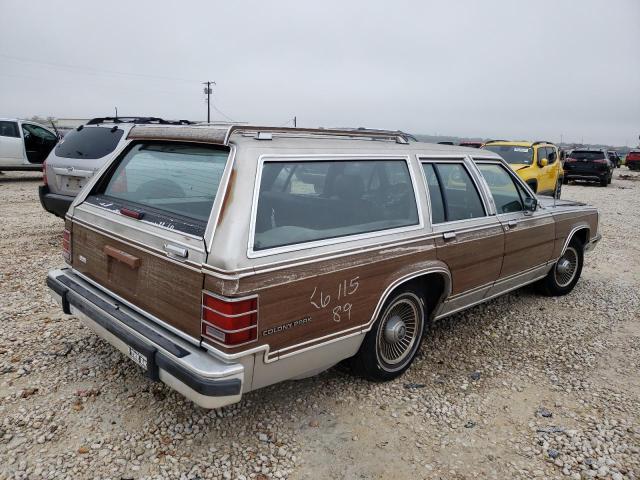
81, 153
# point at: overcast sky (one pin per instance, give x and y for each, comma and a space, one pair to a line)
491, 68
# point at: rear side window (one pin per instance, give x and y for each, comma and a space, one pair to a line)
458, 195
89, 142
503, 189
9, 129
173, 185
301, 202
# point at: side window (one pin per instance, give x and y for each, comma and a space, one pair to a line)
435, 194
552, 154
504, 190
301, 202
9, 129
38, 132
542, 153
459, 199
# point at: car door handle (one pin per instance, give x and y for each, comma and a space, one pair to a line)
449, 235
120, 256
176, 251
512, 223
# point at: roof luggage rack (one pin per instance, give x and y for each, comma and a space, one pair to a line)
141, 120
389, 135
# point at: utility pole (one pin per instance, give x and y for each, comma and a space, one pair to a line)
116, 112
295, 122
208, 91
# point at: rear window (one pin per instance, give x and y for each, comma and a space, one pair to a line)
173, 185
513, 155
301, 202
587, 155
8, 129
89, 142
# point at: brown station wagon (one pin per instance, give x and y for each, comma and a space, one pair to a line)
222, 260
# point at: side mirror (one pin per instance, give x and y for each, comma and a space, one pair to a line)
544, 162
530, 204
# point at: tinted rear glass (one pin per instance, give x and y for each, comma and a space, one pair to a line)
514, 155
586, 155
173, 185
89, 143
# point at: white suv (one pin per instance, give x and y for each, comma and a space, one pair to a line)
81, 153
24, 144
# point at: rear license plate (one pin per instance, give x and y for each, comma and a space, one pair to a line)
139, 358
74, 183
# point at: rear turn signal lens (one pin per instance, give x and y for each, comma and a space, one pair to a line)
66, 245
229, 321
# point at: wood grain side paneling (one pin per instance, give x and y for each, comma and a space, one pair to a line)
528, 245
169, 291
307, 302
474, 258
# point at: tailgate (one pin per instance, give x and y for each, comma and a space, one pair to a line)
148, 280
139, 233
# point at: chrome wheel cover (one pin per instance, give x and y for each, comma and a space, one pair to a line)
398, 333
567, 267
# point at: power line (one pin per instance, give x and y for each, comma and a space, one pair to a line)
90, 70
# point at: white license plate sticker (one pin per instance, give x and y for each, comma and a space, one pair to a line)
138, 358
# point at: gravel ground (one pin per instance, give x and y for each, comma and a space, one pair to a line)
523, 386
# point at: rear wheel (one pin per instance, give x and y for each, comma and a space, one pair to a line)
565, 272
391, 345
604, 181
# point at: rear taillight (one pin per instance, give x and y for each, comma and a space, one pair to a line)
229, 321
44, 172
66, 245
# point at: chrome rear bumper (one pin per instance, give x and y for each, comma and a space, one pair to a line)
185, 367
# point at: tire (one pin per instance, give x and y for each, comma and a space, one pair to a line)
563, 276
565, 181
390, 346
604, 181
610, 179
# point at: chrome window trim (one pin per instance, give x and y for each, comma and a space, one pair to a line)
468, 165
221, 194
505, 165
251, 253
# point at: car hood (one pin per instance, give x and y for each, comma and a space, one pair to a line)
550, 202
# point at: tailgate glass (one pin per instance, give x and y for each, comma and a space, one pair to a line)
170, 184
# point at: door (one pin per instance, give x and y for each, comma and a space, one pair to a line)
38, 142
546, 178
469, 240
11, 148
528, 236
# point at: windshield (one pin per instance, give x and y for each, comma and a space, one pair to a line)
584, 155
89, 142
170, 184
514, 155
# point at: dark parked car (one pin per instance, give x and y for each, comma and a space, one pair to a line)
589, 165
632, 161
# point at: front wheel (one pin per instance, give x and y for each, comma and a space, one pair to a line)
391, 345
565, 272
